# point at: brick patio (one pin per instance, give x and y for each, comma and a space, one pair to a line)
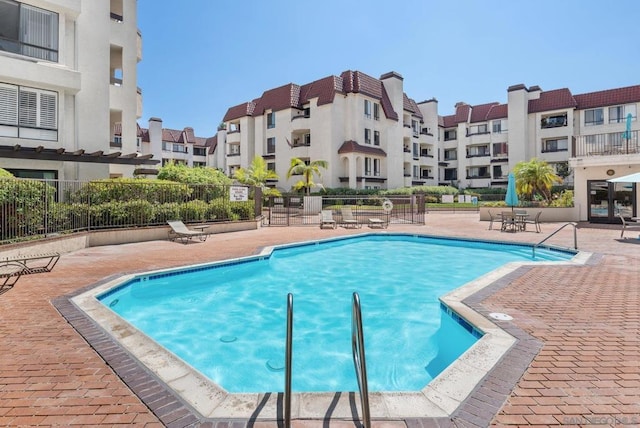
577, 361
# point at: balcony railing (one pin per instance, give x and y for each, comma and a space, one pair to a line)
613, 143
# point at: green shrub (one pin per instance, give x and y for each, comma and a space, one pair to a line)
124, 189
243, 210
64, 217
24, 205
563, 200
194, 211
165, 212
5, 174
219, 209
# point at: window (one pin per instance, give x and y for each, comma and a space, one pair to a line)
416, 150
199, 151
555, 145
553, 121
36, 174
476, 151
117, 141
593, 117
497, 172
367, 136
307, 112
415, 126
450, 134
367, 109
376, 111
499, 126
478, 129
234, 127
450, 154
376, 167
166, 146
199, 164
271, 166
271, 120
180, 148
367, 166
500, 150
28, 113
376, 138
450, 174
307, 139
478, 172
271, 145
618, 114
28, 30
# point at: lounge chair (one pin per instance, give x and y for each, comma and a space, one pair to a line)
180, 232
326, 218
378, 223
11, 269
348, 220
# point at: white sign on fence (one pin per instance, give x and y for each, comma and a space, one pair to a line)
238, 193
447, 199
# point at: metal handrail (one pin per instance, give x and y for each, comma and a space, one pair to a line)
287, 362
359, 361
575, 237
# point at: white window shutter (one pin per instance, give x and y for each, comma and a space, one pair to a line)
48, 110
8, 104
28, 108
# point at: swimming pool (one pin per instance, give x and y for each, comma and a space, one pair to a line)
237, 338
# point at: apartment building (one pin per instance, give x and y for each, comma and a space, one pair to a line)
68, 80
582, 136
174, 145
368, 130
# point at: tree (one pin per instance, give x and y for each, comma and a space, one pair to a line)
257, 175
299, 167
535, 179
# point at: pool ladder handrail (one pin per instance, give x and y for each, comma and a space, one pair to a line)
287, 362
359, 360
575, 237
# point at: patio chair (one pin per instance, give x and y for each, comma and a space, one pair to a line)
348, 220
326, 218
627, 225
535, 221
180, 232
508, 222
492, 217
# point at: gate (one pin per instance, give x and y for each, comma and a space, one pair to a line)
296, 210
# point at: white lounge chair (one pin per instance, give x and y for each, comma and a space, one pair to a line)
180, 232
348, 220
326, 218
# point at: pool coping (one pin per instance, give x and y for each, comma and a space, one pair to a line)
467, 389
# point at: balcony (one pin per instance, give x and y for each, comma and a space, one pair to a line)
610, 144
233, 137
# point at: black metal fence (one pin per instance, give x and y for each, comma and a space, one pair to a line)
31, 209
295, 210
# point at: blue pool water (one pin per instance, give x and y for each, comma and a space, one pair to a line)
228, 320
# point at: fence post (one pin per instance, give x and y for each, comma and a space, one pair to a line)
257, 199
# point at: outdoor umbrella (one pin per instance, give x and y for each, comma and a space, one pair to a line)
511, 198
627, 133
631, 178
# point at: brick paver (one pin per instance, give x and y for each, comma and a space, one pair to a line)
579, 331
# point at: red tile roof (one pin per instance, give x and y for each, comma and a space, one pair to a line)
610, 97
498, 111
448, 121
411, 106
462, 112
212, 143
479, 112
292, 95
241, 110
553, 100
353, 147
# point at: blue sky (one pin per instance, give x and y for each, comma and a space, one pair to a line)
201, 57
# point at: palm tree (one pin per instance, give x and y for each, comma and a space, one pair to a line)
257, 175
299, 167
535, 177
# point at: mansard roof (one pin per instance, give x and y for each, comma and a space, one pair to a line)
610, 97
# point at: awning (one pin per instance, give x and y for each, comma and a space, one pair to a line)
631, 178
41, 153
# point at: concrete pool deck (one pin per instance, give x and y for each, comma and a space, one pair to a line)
576, 361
